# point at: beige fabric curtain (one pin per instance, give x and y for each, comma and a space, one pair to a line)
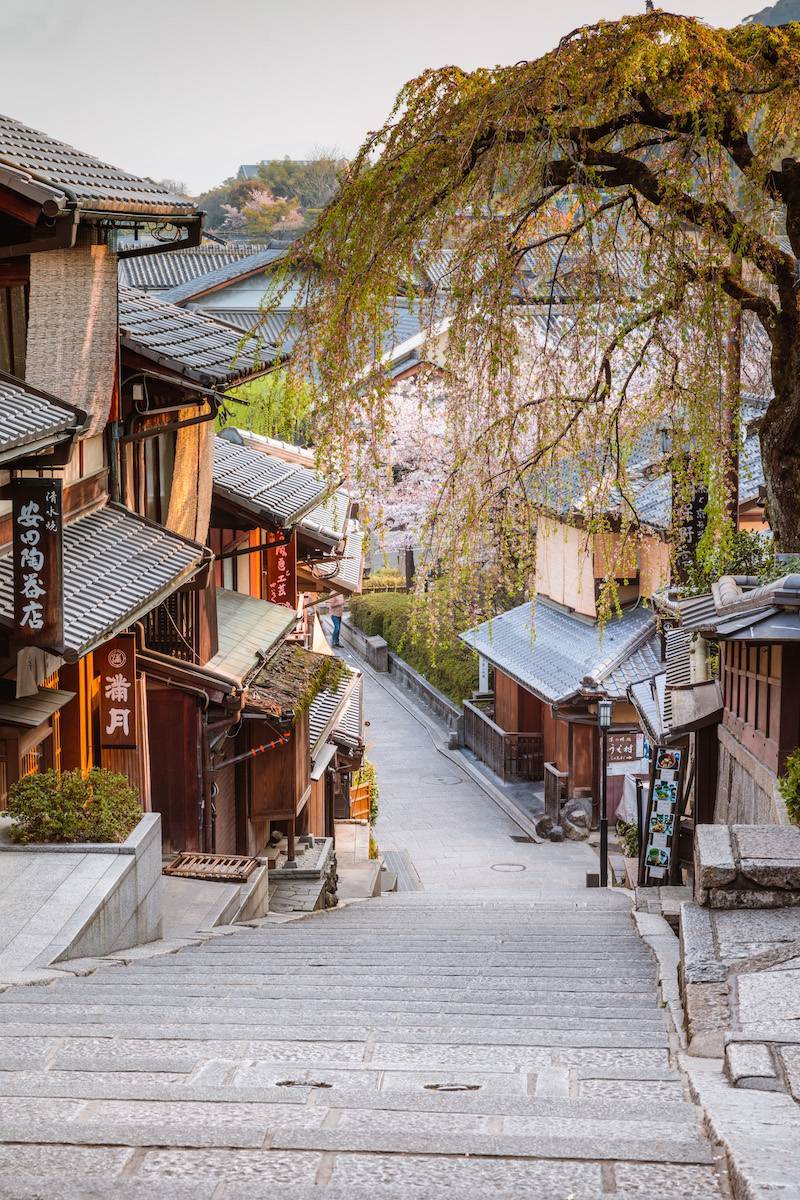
72, 328
192, 478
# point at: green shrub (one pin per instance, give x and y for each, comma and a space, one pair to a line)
367, 774
98, 807
449, 665
789, 786
628, 835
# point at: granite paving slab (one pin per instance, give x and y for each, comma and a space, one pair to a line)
489, 1035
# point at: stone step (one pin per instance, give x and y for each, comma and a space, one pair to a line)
177, 1009
364, 1090
288, 987
143, 1054
387, 1032
697, 1182
424, 1133
457, 985
150, 1013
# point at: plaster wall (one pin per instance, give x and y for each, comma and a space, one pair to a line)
565, 566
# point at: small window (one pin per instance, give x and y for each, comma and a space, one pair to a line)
13, 329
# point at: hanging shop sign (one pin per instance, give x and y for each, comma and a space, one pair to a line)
625, 747
116, 663
37, 518
282, 573
664, 810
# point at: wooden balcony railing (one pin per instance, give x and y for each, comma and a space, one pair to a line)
512, 756
555, 791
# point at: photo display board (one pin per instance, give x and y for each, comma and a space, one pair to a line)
663, 815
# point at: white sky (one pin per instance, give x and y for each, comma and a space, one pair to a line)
188, 89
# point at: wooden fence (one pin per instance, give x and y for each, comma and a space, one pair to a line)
511, 756
555, 790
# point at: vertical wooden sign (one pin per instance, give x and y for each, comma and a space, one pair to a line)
37, 517
664, 811
116, 662
282, 573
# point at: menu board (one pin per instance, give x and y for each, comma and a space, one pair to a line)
663, 816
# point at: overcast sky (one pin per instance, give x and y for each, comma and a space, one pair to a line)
188, 89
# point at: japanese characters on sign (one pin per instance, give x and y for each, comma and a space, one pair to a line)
282, 573
116, 663
625, 747
38, 571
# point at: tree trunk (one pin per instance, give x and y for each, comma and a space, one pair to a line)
780, 435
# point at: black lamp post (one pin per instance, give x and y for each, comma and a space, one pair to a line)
604, 708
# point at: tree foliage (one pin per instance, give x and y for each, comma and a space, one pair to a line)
644, 170
274, 405
290, 191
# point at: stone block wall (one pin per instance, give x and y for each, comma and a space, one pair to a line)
747, 792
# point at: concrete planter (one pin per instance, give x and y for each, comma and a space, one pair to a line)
120, 901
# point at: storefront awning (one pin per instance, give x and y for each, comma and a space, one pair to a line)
117, 566
248, 631
32, 711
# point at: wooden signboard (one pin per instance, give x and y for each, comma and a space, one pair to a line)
624, 747
37, 516
116, 663
664, 810
282, 573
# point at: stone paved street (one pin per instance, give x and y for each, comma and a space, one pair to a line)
497, 1033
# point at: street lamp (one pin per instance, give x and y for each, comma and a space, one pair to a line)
604, 708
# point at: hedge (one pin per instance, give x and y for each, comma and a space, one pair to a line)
451, 667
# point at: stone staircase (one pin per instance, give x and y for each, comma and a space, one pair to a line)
411, 1046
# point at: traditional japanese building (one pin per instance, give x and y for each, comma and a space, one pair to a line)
62, 213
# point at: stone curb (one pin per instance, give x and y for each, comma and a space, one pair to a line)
656, 932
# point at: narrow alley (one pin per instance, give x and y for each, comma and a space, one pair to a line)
496, 1032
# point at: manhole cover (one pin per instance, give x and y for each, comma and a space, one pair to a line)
508, 867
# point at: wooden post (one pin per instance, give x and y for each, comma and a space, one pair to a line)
290, 859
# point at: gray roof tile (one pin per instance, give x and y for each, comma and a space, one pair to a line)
95, 184
160, 272
236, 268
556, 654
29, 418
328, 520
188, 342
340, 709
274, 490
117, 566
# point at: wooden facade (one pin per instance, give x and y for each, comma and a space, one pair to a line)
762, 698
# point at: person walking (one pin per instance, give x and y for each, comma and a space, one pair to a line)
336, 609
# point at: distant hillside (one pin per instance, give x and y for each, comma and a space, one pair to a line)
776, 14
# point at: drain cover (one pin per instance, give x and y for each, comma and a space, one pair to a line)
452, 1087
523, 838
508, 867
302, 1083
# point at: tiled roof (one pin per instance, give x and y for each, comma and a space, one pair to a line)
94, 184
350, 571
279, 329
117, 566
274, 490
328, 521
186, 342
248, 630
237, 268
648, 698
330, 710
30, 420
160, 272
556, 654
289, 679
653, 497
